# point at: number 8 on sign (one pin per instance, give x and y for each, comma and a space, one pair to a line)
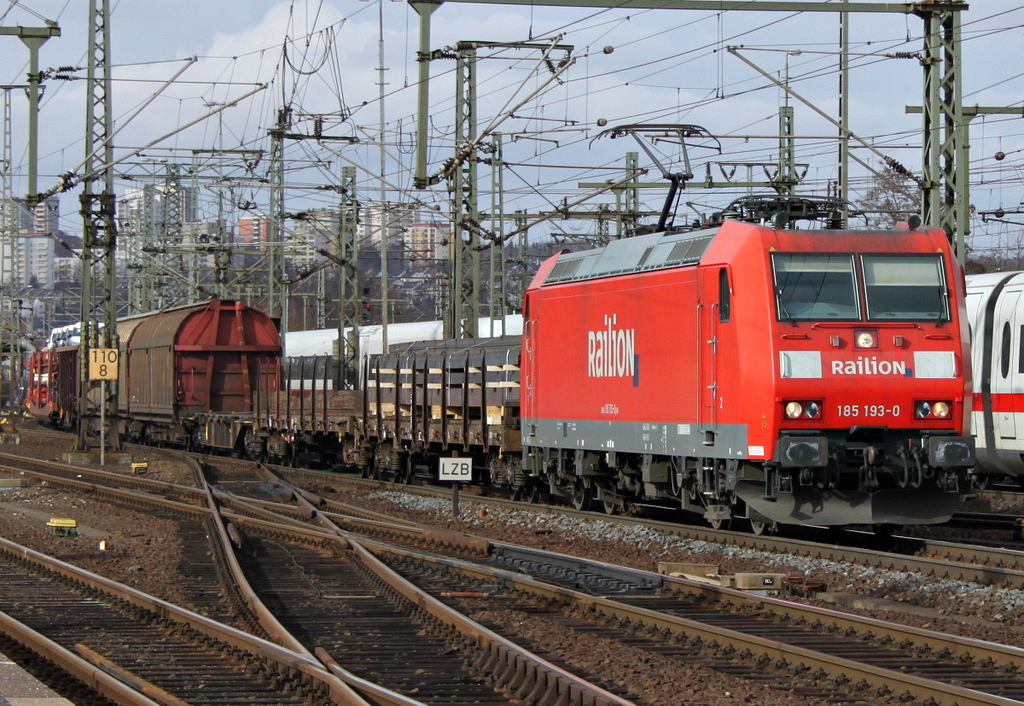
103, 363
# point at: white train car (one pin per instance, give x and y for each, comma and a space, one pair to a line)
995, 309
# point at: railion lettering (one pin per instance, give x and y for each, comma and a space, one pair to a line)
611, 351
869, 365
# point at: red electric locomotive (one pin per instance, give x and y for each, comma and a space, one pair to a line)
740, 371
789, 376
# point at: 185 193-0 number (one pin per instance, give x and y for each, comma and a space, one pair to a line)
867, 410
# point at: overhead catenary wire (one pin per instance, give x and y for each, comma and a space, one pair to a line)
299, 87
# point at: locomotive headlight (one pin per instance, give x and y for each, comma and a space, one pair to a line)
927, 409
802, 410
865, 339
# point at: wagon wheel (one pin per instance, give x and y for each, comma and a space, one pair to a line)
367, 458
349, 452
582, 494
383, 468
530, 492
408, 469
983, 481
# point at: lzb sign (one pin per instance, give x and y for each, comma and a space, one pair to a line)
103, 363
459, 469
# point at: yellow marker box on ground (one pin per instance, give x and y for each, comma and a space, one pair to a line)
63, 526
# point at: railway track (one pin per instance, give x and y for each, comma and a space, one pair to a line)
814, 652
263, 516
134, 649
781, 642
819, 650
450, 638
986, 565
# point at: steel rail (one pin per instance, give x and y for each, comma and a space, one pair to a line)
946, 560
533, 677
286, 659
920, 687
89, 674
959, 648
367, 691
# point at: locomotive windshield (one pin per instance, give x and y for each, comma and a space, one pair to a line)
905, 287
815, 287
824, 287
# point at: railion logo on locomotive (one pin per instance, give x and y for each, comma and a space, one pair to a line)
871, 365
611, 351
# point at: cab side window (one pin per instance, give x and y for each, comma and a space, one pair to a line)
724, 297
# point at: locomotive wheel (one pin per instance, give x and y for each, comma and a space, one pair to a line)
720, 525
611, 508
536, 494
761, 527
582, 495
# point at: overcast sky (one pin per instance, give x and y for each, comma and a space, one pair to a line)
664, 66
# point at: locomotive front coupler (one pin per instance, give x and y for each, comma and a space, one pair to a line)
872, 458
913, 466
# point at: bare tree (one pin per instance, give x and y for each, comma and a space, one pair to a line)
892, 197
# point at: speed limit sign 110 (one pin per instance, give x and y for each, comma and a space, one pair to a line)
103, 363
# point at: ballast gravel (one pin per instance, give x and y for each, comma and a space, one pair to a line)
958, 607
144, 552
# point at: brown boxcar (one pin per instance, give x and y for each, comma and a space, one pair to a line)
189, 374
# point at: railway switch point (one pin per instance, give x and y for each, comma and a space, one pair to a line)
92, 458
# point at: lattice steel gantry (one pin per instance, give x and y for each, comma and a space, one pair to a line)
99, 231
944, 161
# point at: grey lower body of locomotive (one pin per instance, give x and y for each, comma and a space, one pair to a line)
714, 474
